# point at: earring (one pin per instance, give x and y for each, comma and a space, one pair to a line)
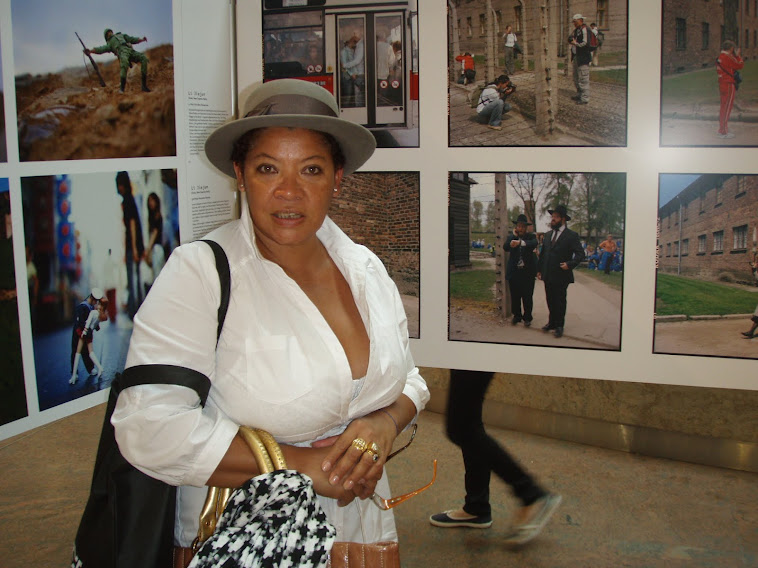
335, 190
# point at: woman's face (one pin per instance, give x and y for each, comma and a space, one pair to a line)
289, 179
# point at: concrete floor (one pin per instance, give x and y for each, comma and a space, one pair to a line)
618, 510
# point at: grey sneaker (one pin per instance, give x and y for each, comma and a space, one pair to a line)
544, 509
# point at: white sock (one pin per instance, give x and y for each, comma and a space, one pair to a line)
97, 363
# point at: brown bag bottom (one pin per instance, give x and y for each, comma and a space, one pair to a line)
359, 555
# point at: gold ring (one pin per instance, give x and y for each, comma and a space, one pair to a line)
373, 451
360, 444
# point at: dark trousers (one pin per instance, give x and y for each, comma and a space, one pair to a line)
134, 284
522, 292
556, 303
481, 453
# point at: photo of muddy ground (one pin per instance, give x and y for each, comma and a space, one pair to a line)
69, 116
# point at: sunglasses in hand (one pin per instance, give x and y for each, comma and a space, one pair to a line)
386, 504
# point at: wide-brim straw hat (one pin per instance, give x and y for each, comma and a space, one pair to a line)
291, 103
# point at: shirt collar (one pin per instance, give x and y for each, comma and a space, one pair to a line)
338, 244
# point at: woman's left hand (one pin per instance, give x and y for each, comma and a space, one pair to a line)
352, 467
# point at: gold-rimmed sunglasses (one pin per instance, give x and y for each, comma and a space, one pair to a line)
387, 504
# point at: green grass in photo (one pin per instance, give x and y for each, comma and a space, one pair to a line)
702, 86
614, 279
609, 76
678, 295
610, 58
475, 285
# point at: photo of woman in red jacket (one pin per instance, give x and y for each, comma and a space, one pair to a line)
728, 64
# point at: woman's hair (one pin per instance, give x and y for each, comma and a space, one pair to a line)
122, 179
727, 45
244, 143
157, 211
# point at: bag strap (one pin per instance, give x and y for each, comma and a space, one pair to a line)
723, 69
182, 376
225, 279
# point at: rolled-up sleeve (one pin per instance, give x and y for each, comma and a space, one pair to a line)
163, 430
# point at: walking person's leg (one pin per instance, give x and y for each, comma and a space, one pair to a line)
463, 422
482, 454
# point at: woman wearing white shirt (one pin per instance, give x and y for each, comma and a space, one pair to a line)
314, 348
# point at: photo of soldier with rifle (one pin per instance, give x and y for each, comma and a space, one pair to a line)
120, 45
79, 94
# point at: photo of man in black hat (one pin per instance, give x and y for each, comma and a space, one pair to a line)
521, 270
562, 251
501, 224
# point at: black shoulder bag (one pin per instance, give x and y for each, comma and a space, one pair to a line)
737, 76
128, 521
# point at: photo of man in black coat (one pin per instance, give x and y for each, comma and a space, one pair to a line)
561, 252
521, 270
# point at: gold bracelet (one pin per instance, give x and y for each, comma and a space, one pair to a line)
260, 453
274, 451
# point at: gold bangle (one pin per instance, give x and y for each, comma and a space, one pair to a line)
260, 453
274, 451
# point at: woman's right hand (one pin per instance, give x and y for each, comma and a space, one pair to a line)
308, 462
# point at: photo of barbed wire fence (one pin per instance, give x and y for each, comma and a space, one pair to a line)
567, 69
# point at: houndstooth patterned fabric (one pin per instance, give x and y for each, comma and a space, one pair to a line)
76, 562
273, 520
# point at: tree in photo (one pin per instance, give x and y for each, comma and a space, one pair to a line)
531, 188
598, 203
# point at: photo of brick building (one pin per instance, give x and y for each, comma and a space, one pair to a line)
693, 31
381, 211
710, 229
706, 285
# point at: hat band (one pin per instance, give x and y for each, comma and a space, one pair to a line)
291, 104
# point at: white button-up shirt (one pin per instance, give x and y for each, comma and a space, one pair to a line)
278, 366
